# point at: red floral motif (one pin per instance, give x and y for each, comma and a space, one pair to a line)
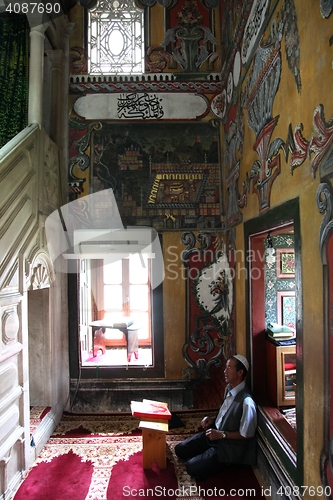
189, 15
322, 141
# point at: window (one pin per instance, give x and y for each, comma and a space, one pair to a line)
116, 38
140, 295
126, 292
119, 292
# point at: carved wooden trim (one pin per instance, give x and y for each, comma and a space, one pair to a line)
40, 272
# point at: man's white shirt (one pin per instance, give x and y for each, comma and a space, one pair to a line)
248, 424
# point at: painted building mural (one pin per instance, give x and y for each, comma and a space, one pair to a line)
164, 176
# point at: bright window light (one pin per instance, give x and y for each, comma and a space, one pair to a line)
116, 38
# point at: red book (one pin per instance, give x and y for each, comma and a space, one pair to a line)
150, 409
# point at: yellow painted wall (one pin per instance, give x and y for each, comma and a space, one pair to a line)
156, 26
174, 285
293, 108
174, 300
317, 83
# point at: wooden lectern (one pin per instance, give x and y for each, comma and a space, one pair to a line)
154, 424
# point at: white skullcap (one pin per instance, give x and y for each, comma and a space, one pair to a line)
243, 360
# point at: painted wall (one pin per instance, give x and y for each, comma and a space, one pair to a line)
274, 113
173, 183
174, 300
297, 179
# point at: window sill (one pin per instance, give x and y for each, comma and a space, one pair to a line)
287, 432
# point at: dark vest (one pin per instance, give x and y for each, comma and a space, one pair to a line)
240, 451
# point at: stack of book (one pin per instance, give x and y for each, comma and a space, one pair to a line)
290, 381
279, 332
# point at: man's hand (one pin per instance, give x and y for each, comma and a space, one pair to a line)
207, 422
213, 434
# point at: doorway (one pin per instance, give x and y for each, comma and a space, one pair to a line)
277, 377
39, 342
275, 282
39, 349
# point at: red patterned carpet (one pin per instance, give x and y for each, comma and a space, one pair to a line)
100, 458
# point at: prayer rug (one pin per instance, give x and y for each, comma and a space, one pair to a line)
99, 457
65, 476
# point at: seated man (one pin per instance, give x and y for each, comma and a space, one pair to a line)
230, 436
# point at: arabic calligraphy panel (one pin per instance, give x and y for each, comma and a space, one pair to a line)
138, 106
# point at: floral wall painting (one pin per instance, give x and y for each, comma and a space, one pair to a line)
292, 40
209, 303
286, 308
261, 75
326, 8
214, 290
319, 146
253, 27
285, 263
280, 282
233, 146
190, 39
260, 118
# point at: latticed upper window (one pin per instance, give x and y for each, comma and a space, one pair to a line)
116, 38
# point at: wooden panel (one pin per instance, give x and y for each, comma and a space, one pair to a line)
154, 443
276, 386
271, 372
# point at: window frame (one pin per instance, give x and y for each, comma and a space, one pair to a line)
79, 371
144, 33
126, 311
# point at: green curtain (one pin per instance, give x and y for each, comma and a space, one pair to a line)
14, 83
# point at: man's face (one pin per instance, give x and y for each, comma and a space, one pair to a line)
231, 375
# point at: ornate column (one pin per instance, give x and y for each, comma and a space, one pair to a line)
36, 73
56, 58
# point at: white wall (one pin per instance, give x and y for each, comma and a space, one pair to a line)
27, 375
